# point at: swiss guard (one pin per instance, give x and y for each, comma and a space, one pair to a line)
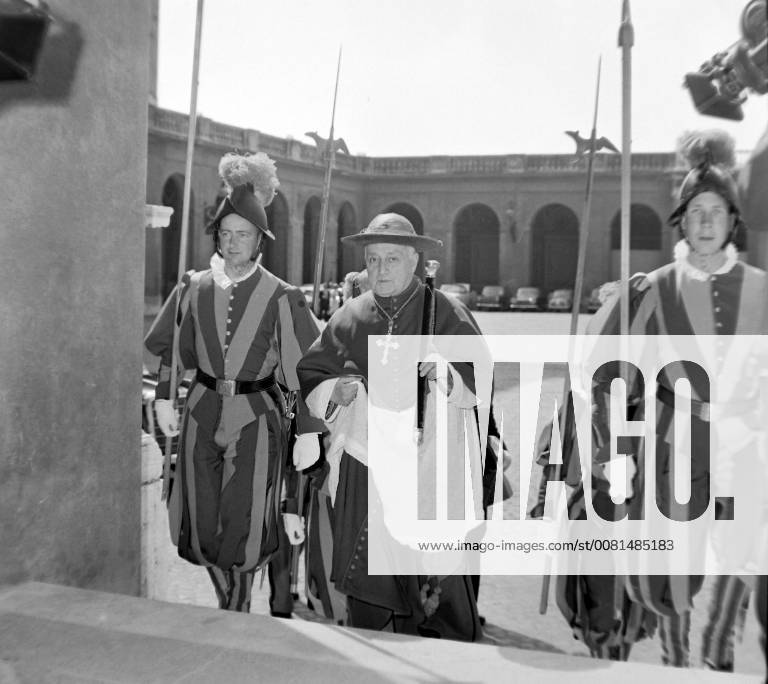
706, 291
241, 332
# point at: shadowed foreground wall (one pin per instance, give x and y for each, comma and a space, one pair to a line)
73, 165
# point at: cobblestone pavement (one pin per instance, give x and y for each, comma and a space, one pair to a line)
510, 604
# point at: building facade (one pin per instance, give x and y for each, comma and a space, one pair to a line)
508, 219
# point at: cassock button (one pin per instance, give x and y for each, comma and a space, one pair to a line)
714, 293
717, 309
352, 567
229, 320
719, 324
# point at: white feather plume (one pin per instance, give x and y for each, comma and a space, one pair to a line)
257, 169
713, 145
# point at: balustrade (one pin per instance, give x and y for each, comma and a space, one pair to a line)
165, 121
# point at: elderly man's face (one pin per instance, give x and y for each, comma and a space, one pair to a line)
390, 268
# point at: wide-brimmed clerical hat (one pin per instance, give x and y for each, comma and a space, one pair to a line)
243, 202
392, 229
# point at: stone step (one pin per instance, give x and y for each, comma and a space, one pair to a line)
56, 633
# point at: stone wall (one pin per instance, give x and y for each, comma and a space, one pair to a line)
73, 157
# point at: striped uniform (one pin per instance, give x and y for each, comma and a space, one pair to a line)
727, 608
223, 508
761, 606
677, 300
318, 550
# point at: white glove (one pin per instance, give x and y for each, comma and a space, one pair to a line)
428, 369
167, 417
306, 450
294, 528
619, 481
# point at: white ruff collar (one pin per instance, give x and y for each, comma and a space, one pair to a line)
683, 249
222, 279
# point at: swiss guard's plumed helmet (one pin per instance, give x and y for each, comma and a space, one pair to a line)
251, 182
242, 202
711, 155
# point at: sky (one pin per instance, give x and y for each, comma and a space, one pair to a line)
454, 77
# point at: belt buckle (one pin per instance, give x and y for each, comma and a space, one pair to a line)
226, 387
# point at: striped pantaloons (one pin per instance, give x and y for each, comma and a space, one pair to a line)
233, 588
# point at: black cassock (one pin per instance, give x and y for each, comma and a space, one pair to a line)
385, 601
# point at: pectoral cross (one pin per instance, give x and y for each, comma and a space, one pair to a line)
388, 343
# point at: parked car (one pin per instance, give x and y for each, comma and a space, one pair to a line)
592, 303
330, 297
526, 299
462, 292
560, 300
492, 298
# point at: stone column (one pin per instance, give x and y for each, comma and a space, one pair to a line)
74, 159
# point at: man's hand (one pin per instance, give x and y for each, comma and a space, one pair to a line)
306, 450
345, 391
428, 370
620, 472
167, 417
294, 528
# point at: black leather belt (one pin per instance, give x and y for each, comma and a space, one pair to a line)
229, 388
702, 409
699, 409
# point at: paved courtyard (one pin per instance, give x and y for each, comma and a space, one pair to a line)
509, 603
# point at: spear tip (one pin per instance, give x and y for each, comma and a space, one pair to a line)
626, 31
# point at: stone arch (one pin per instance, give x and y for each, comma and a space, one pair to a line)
348, 257
310, 231
555, 233
645, 241
476, 246
275, 252
173, 196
